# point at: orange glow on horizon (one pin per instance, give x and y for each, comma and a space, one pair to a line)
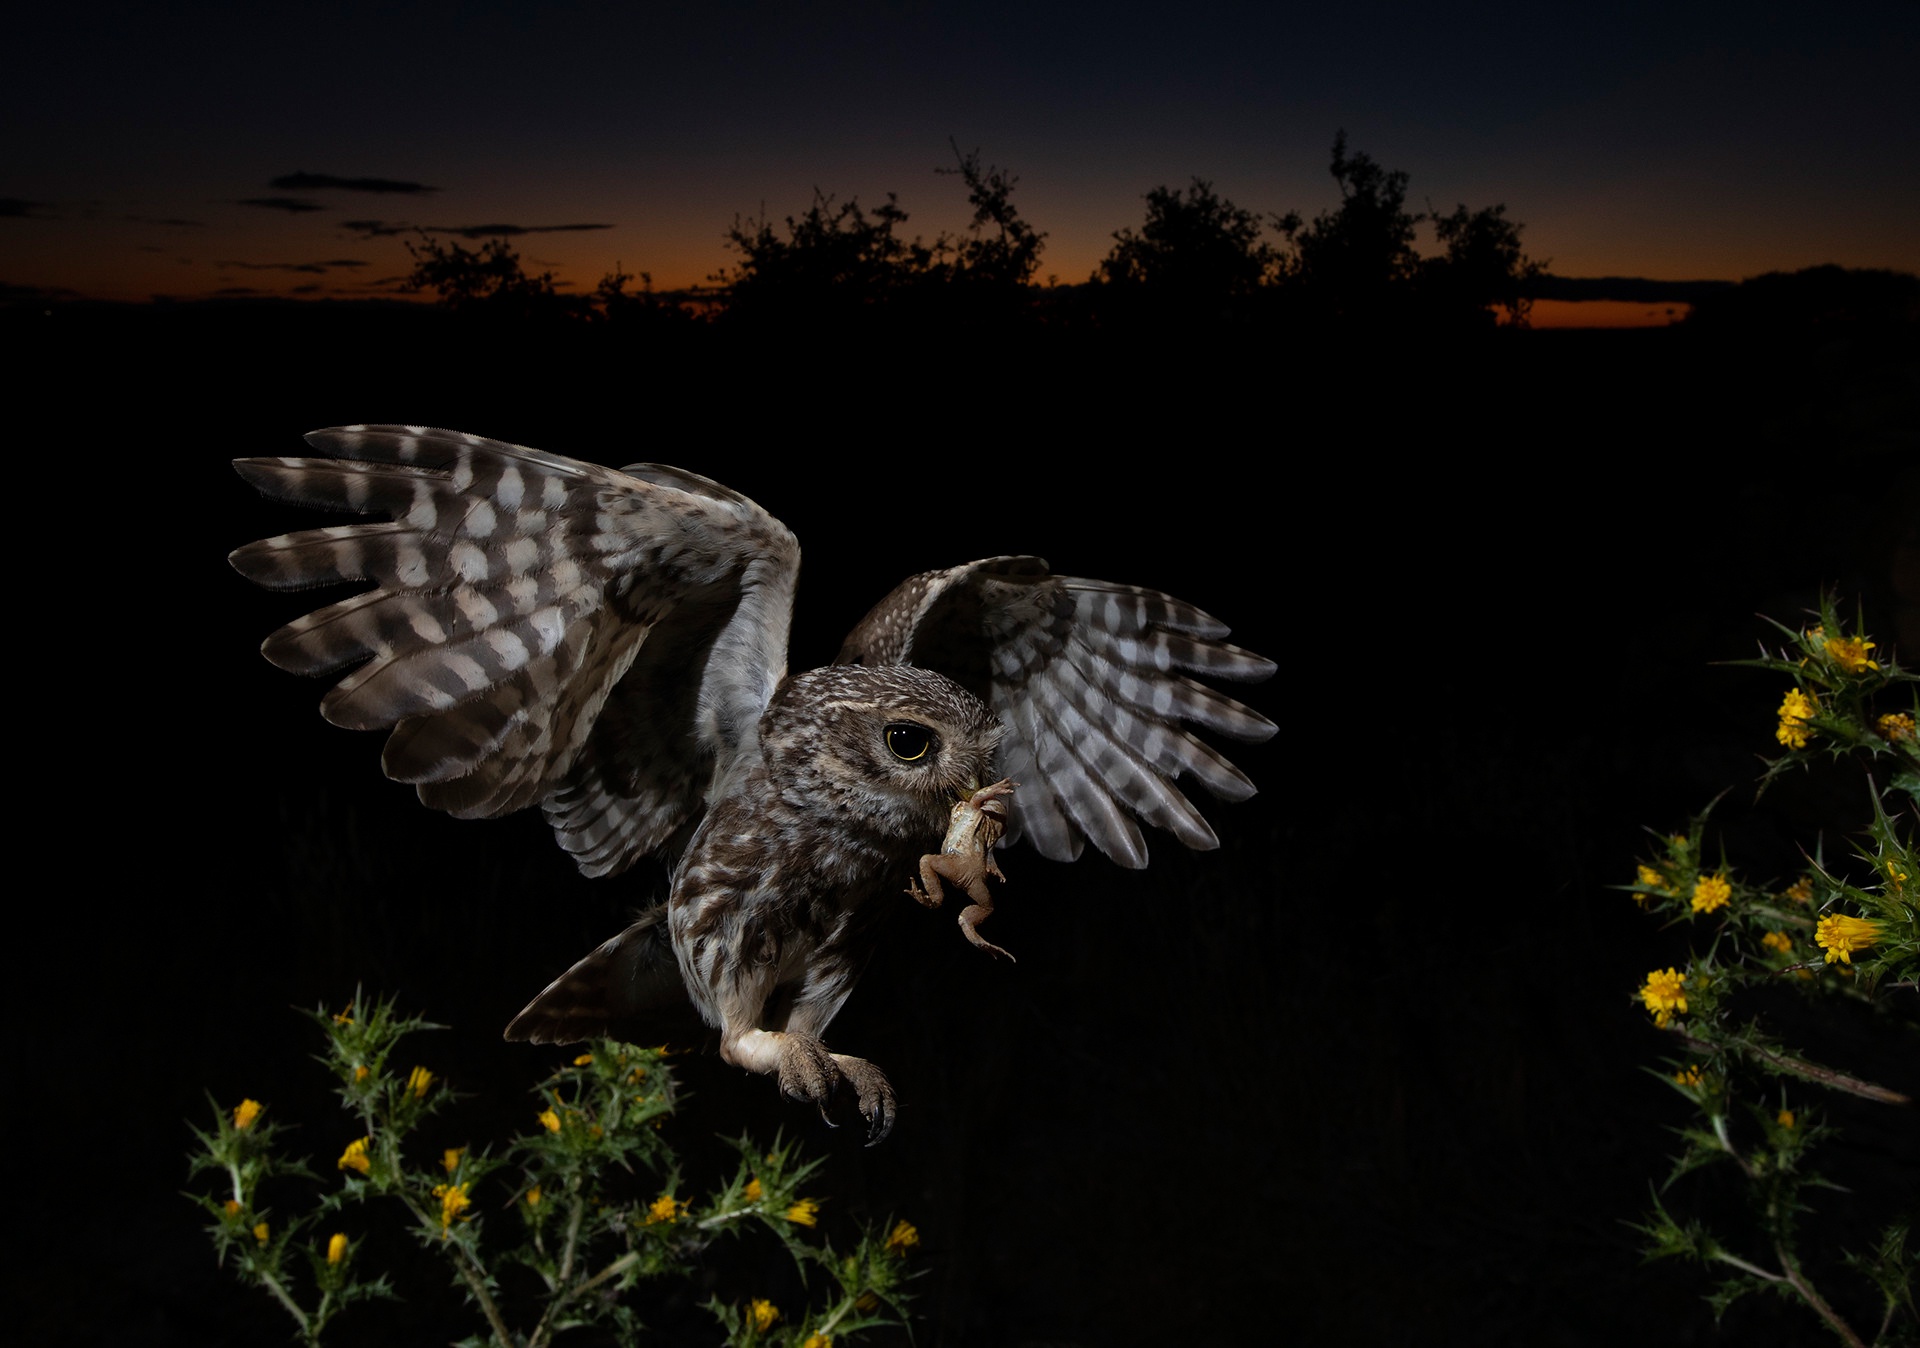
1606, 314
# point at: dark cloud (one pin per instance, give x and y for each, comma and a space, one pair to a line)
506, 231
169, 222
237, 290
1634, 289
18, 208
24, 295
310, 288
318, 182
375, 229
305, 268
293, 205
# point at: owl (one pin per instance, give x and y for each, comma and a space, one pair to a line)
610, 646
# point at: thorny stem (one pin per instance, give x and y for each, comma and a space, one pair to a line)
559, 1303
559, 1284
463, 1264
1803, 1069
1815, 1300
1745, 1267
293, 1307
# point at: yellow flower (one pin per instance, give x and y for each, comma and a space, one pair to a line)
1801, 890
1711, 892
337, 1247
1777, 940
764, 1313
752, 1193
1664, 995
1895, 726
1689, 1075
450, 1158
1840, 935
1796, 709
902, 1238
804, 1213
419, 1081
344, 1018
550, 1120
1650, 879
666, 1208
817, 1341
1850, 653
232, 1207
360, 1073
453, 1201
583, 1060
245, 1113
1784, 1118
260, 1233
355, 1157
534, 1196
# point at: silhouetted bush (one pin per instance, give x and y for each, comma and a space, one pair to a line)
1197, 256
1827, 298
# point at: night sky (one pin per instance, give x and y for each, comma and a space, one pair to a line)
1373, 1071
199, 150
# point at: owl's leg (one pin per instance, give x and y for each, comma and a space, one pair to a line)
806, 1071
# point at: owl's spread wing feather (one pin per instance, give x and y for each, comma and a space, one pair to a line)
1091, 681
541, 630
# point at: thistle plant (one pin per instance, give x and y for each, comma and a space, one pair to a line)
1847, 931
565, 1226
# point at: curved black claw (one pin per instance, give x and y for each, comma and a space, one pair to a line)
808, 1073
875, 1093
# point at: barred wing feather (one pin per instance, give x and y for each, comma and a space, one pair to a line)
1092, 681
541, 631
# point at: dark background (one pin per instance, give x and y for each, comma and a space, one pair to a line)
1371, 1072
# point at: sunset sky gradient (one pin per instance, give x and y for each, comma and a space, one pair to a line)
1656, 140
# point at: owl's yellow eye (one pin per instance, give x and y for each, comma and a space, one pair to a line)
909, 742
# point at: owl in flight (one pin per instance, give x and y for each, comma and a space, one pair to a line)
611, 646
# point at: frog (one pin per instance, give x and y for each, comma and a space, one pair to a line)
965, 859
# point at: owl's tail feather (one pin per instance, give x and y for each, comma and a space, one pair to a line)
628, 988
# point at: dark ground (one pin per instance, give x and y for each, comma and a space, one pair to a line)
1370, 1073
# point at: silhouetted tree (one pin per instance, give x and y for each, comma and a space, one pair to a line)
833, 260
1356, 262
1005, 260
487, 280
1482, 268
1196, 253
613, 304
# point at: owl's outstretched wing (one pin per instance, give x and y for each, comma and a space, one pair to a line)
541, 631
1091, 681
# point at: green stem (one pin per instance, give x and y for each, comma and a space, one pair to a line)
1745, 1267
272, 1284
470, 1274
554, 1307
541, 1331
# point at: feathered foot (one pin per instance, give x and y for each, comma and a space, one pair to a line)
807, 1072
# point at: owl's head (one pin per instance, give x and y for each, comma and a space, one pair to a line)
893, 745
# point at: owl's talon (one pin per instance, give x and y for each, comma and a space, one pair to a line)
875, 1093
806, 1071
